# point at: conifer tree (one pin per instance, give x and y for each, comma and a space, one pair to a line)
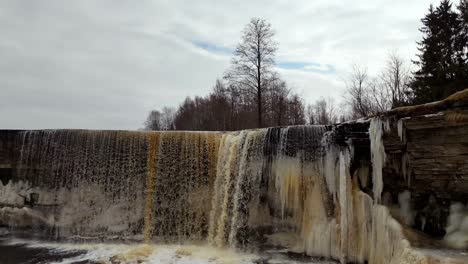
463, 13
441, 70
463, 39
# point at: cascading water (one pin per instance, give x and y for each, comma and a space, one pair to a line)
154, 141
117, 183
286, 187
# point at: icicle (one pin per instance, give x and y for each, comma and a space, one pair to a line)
345, 210
378, 156
406, 212
400, 129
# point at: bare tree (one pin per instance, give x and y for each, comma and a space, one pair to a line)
234, 100
357, 92
310, 115
218, 104
367, 95
153, 121
378, 97
395, 79
322, 112
278, 103
295, 111
167, 118
254, 58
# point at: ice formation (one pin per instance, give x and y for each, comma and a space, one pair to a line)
457, 226
406, 211
377, 155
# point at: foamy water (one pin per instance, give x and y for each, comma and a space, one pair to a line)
155, 253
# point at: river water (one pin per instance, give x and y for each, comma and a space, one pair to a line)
27, 251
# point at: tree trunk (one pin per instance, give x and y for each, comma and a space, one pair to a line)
280, 114
259, 80
259, 106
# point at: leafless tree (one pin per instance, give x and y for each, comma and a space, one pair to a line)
367, 95
357, 92
278, 102
219, 105
295, 111
310, 115
153, 121
378, 97
394, 79
167, 118
322, 112
254, 58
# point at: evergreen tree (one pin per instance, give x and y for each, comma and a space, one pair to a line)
463, 13
463, 39
441, 69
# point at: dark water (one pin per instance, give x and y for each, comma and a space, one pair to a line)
17, 251
21, 254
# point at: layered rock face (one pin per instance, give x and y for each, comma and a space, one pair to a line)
427, 150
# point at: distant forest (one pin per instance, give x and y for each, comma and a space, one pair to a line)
252, 94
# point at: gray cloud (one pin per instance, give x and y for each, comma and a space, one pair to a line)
105, 64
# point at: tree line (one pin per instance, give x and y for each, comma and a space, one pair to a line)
252, 94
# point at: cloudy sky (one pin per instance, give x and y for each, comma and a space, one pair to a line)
104, 64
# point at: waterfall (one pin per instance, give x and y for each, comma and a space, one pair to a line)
153, 151
288, 187
119, 183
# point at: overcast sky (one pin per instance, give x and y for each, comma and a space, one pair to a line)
105, 64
